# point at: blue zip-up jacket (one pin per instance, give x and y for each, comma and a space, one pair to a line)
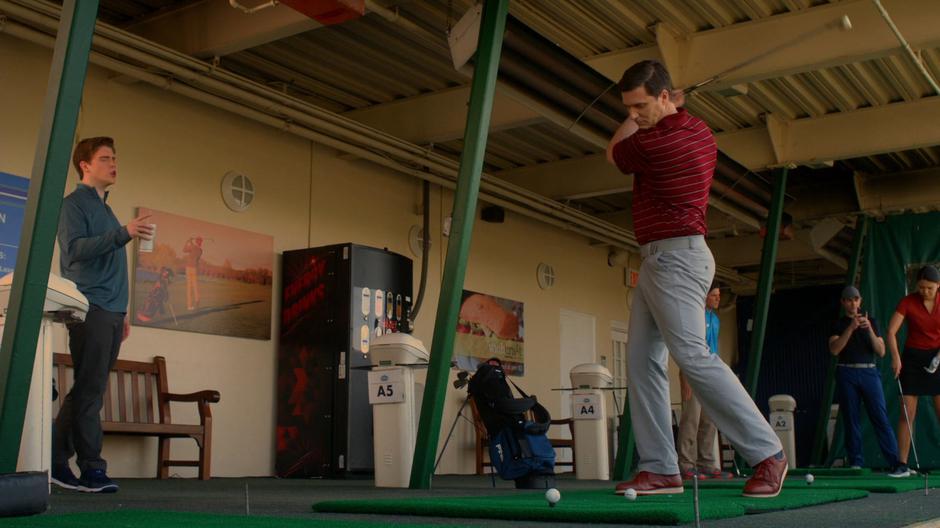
91, 249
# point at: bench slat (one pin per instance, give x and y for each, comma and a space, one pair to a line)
148, 390
108, 414
131, 428
135, 396
122, 405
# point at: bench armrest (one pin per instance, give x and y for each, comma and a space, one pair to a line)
209, 396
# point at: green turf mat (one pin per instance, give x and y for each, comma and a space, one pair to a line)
154, 519
594, 506
876, 483
830, 472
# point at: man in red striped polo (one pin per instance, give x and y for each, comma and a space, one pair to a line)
672, 156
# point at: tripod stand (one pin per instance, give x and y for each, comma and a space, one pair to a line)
451, 432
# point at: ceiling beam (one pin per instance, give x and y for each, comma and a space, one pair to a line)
699, 56
866, 132
569, 179
693, 58
214, 28
441, 116
746, 250
887, 193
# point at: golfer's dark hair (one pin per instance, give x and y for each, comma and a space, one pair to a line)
713, 287
86, 149
650, 74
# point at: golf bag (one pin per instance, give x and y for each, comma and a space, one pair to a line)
519, 449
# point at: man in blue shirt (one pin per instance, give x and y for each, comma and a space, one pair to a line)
855, 341
697, 434
92, 255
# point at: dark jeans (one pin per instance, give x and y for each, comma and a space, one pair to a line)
94, 345
855, 384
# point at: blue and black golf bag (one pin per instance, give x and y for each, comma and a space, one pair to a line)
519, 448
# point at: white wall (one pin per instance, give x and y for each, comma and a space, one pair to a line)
172, 155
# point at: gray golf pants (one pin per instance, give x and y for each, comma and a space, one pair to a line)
668, 312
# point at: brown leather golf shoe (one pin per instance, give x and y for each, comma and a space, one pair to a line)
767, 480
646, 483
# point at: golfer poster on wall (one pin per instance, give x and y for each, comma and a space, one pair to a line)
487, 327
201, 277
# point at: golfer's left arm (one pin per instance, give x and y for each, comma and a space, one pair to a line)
626, 129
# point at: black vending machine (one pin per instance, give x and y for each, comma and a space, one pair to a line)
335, 301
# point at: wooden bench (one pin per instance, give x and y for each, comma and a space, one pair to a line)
137, 403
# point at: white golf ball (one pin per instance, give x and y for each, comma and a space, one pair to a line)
552, 496
810, 478
629, 494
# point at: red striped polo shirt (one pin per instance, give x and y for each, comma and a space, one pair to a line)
672, 165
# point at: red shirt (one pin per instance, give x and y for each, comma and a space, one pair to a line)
672, 163
923, 329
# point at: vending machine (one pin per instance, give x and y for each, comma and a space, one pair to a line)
335, 301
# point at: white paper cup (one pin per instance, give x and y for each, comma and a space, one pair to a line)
146, 246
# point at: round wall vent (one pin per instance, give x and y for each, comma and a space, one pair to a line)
237, 191
545, 274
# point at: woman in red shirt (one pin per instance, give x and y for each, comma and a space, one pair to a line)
922, 314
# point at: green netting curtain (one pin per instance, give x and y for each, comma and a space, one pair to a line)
892, 246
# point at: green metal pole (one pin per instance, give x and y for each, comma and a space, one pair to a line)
626, 444
46, 187
765, 282
489, 47
822, 423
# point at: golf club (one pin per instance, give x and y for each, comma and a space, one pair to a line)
695, 505
910, 431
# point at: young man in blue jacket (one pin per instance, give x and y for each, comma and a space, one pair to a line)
92, 255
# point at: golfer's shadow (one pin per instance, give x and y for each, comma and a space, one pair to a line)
168, 321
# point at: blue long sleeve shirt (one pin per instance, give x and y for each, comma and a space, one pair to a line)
91, 249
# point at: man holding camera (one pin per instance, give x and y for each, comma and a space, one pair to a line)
855, 340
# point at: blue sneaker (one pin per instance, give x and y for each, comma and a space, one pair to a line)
96, 481
63, 477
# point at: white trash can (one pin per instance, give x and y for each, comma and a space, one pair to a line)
781, 419
393, 397
63, 302
588, 410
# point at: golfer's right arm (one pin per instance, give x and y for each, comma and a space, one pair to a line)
893, 326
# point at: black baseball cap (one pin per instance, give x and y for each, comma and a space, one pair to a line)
929, 273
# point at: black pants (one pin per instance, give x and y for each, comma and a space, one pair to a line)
94, 345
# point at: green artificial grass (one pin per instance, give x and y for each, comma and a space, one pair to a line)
594, 506
876, 483
155, 519
830, 472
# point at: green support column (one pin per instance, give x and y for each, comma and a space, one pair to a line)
486, 65
765, 282
46, 187
626, 445
822, 423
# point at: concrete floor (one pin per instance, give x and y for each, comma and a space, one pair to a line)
294, 498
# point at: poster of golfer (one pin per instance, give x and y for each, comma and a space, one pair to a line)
202, 277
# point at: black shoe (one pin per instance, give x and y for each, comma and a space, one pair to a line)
96, 481
63, 477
